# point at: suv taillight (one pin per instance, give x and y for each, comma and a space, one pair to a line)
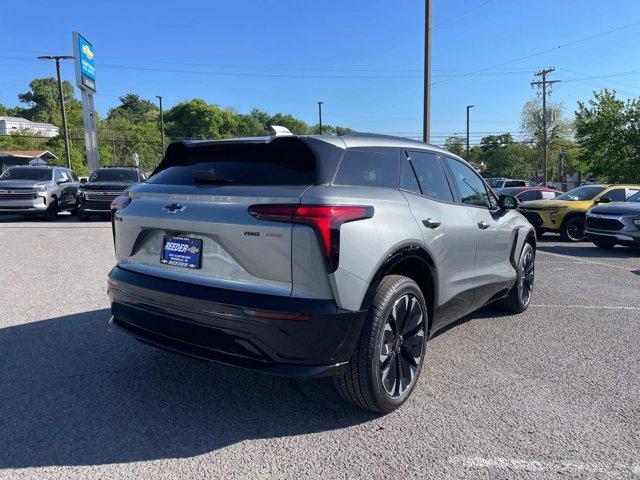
324, 219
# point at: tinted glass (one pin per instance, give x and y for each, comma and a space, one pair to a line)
530, 195
285, 161
408, 180
471, 187
431, 177
38, 174
375, 167
125, 175
581, 193
616, 195
515, 183
635, 198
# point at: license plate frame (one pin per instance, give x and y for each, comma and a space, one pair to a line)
183, 252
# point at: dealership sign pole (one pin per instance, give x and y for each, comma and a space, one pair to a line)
86, 82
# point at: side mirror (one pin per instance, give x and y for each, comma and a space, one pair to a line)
507, 202
62, 180
83, 180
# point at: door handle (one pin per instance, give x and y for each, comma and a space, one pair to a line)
482, 225
431, 223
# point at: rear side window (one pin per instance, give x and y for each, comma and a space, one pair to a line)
616, 195
514, 183
547, 195
286, 161
371, 167
431, 177
530, 195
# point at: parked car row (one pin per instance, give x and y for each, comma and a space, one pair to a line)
568, 214
48, 190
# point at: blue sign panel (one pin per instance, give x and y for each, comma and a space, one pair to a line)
87, 63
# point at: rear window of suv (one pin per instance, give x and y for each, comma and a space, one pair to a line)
279, 162
369, 167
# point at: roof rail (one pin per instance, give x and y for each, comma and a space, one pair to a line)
278, 131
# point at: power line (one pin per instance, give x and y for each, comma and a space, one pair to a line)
455, 17
547, 50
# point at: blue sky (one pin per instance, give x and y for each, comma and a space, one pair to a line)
362, 58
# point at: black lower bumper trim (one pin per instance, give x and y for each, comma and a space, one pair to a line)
212, 324
632, 241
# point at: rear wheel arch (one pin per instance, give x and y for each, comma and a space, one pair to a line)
411, 261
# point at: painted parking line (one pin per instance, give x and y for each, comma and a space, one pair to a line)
588, 307
568, 466
583, 260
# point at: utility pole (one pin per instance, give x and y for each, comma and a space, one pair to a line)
320, 116
159, 97
63, 110
544, 83
469, 107
426, 113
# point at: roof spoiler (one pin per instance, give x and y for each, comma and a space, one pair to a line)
278, 131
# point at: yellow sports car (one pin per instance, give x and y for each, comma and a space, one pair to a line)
566, 213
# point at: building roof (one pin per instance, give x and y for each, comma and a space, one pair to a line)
15, 119
26, 153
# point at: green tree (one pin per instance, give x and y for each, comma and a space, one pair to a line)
197, 119
456, 145
296, 126
608, 132
135, 109
42, 103
505, 157
559, 136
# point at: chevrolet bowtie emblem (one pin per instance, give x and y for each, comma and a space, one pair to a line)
174, 208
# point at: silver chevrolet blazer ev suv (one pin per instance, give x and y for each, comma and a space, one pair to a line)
312, 256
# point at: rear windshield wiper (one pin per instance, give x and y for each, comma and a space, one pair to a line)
207, 176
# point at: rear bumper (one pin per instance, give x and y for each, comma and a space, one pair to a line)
213, 324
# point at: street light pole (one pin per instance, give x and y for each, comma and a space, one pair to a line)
320, 116
159, 97
426, 113
63, 110
469, 107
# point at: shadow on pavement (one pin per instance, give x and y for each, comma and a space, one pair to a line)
76, 391
489, 311
588, 250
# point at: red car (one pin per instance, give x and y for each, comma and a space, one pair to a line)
525, 194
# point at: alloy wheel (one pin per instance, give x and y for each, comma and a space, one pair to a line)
526, 279
402, 345
575, 229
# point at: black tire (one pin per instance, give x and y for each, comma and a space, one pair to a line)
52, 211
519, 297
382, 350
539, 232
572, 229
604, 244
83, 217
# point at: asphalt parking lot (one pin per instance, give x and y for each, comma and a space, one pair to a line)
551, 392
